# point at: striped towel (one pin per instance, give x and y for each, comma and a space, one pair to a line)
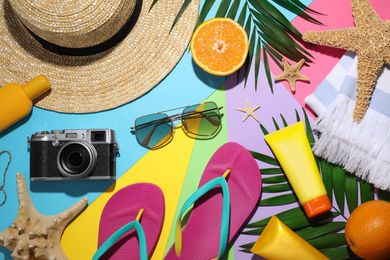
361, 148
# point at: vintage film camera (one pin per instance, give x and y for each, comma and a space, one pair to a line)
82, 154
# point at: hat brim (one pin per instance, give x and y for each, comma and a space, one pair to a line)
85, 84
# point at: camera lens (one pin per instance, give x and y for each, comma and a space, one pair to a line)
76, 159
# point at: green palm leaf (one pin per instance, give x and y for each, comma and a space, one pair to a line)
297, 8
339, 186
279, 200
271, 171
366, 191
266, 67
257, 61
327, 177
265, 158
328, 240
384, 195
275, 179
277, 188
233, 10
283, 216
336, 253
223, 8
351, 191
318, 230
276, 57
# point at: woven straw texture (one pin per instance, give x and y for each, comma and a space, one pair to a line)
74, 24
84, 84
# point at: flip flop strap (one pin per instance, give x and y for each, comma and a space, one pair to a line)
118, 234
220, 181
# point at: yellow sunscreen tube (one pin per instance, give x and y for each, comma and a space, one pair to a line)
292, 149
279, 242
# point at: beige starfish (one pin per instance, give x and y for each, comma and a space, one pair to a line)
370, 39
291, 73
249, 111
33, 235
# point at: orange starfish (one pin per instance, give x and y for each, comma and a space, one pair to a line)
291, 73
370, 39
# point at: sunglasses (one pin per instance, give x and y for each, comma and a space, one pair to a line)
156, 130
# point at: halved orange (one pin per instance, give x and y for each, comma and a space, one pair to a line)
220, 46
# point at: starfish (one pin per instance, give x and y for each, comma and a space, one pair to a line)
34, 235
249, 111
370, 39
291, 73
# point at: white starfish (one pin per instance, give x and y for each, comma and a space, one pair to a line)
249, 111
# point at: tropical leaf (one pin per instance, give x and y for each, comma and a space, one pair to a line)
336, 253
339, 186
233, 10
328, 240
317, 230
265, 158
297, 8
284, 121
277, 188
276, 124
265, 132
267, 70
179, 14
283, 216
351, 192
275, 179
271, 171
252, 42
279, 200
223, 8
384, 195
366, 191
305, 225
327, 177
257, 61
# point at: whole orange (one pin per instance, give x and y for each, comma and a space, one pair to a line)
368, 229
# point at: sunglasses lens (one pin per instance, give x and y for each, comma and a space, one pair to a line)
202, 119
153, 130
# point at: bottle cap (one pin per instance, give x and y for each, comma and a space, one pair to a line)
317, 206
36, 87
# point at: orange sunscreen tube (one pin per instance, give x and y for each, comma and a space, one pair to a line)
279, 242
292, 149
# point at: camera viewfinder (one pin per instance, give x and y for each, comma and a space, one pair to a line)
98, 136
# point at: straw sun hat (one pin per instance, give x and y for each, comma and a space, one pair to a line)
97, 54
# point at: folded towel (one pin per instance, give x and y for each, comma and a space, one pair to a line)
361, 148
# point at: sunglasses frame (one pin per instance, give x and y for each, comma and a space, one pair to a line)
172, 118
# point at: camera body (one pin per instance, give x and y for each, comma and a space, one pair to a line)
82, 154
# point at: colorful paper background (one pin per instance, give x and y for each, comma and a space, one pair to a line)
177, 167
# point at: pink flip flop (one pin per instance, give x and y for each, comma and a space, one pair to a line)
122, 209
203, 235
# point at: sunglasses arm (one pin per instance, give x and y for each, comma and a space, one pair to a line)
147, 139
